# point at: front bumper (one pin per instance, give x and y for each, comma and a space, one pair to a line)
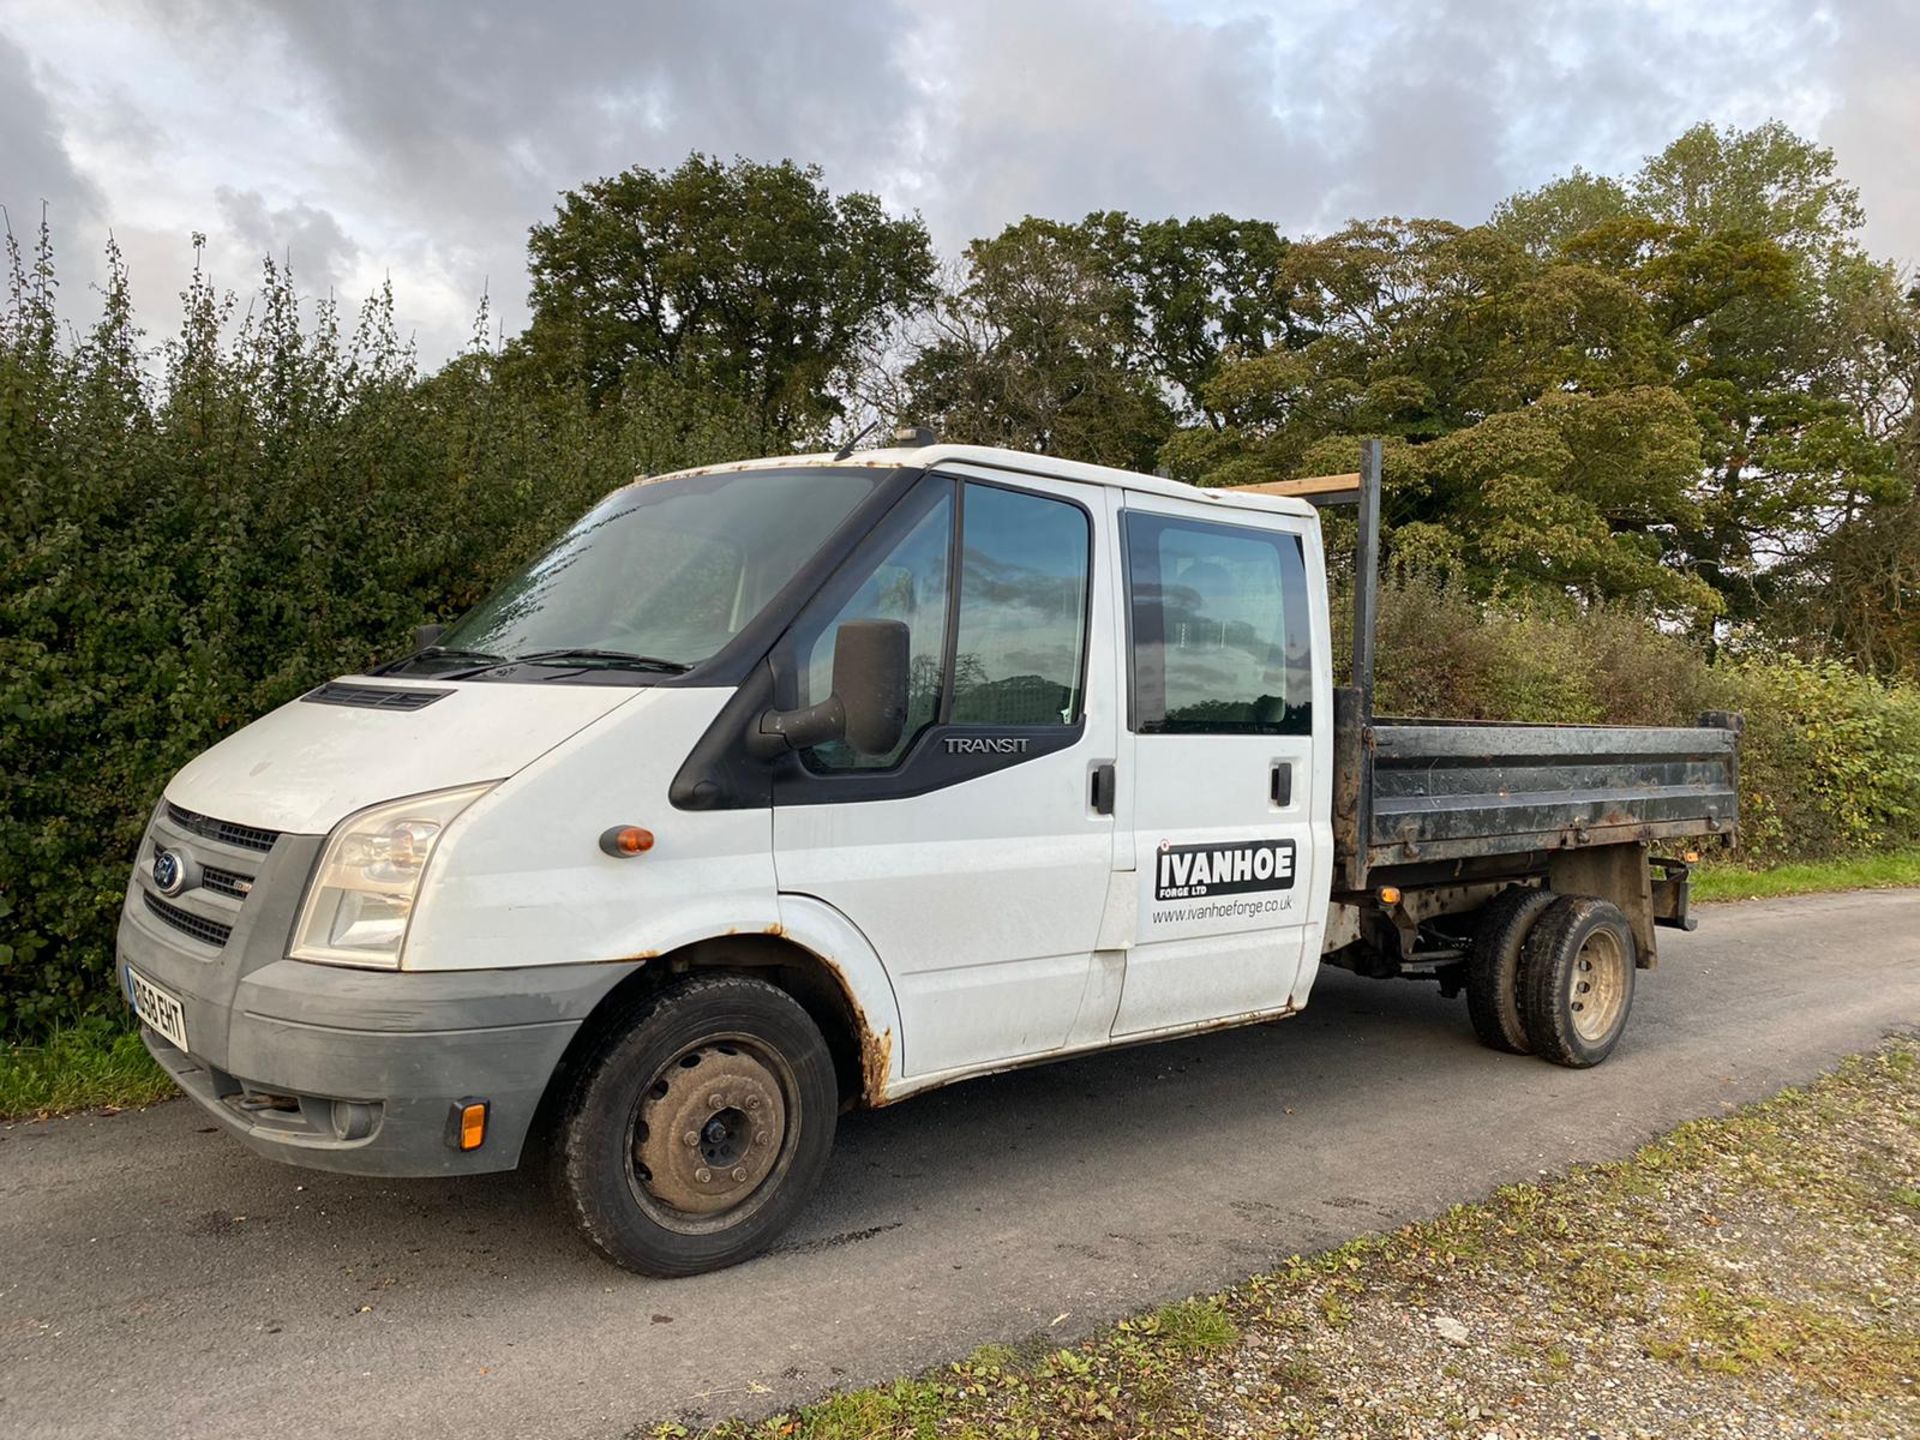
342, 1069
357, 1071
372, 1102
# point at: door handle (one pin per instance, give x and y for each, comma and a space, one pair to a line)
1103, 785
1280, 783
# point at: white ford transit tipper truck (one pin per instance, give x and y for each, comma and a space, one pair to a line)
784, 787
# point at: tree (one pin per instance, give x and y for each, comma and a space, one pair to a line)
1038, 348
1201, 290
749, 277
1743, 244
1724, 281
1532, 441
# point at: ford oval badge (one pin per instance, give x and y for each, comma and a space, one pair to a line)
169, 873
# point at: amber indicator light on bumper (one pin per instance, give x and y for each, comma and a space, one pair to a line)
467, 1124
624, 840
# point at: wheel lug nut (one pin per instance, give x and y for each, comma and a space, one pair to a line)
761, 1137
739, 1172
703, 1175
717, 1100
753, 1102
692, 1137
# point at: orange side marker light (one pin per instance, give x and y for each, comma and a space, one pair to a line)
623, 841
467, 1123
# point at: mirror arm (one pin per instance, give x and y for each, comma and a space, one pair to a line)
778, 731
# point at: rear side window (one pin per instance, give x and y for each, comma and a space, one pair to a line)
1221, 637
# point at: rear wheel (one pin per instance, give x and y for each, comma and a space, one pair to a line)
1493, 968
1576, 980
700, 1128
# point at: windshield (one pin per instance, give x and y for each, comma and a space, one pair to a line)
666, 571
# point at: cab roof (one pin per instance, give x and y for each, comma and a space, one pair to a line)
1017, 462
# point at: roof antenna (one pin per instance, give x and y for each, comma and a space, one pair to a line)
847, 449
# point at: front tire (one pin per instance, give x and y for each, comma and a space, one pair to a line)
1576, 981
700, 1127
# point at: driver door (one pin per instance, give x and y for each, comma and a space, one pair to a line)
973, 856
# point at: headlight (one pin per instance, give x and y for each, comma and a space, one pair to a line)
362, 894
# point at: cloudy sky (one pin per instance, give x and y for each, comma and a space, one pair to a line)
419, 141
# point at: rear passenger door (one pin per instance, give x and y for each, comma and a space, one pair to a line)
973, 857
1219, 770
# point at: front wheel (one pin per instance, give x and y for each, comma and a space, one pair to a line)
699, 1129
1576, 980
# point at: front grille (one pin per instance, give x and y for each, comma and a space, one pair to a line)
207, 932
226, 882
247, 837
373, 697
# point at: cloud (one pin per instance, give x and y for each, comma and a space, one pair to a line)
35, 168
492, 106
421, 141
308, 239
1874, 128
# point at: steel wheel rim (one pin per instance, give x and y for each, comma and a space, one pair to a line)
711, 1133
1597, 994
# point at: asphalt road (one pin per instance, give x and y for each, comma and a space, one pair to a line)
156, 1279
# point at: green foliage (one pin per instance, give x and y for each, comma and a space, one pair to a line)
189, 543
1748, 370
1192, 1326
750, 276
1039, 350
1831, 758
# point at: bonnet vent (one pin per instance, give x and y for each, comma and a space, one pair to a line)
373, 697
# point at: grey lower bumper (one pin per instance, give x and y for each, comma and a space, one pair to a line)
357, 1071
369, 1103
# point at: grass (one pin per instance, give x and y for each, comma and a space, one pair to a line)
1807, 877
1758, 1272
85, 1067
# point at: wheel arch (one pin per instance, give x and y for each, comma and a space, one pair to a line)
859, 1027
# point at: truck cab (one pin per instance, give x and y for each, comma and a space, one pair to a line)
771, 790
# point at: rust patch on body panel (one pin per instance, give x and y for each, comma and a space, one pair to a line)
876, 1063
876, 1051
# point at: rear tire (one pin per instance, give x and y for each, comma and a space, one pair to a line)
699, 1128
1576, 981
1493, 968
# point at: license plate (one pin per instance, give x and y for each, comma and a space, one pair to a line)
158, 1009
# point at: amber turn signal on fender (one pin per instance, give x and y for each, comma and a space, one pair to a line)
624, 840
467, 1123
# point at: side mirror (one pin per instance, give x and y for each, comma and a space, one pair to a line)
870, 663
868, 706
425, 635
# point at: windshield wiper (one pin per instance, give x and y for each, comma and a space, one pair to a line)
487, 660
609, 659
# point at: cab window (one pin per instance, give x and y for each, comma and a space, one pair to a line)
1012, 652
1019, 647
909, 584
